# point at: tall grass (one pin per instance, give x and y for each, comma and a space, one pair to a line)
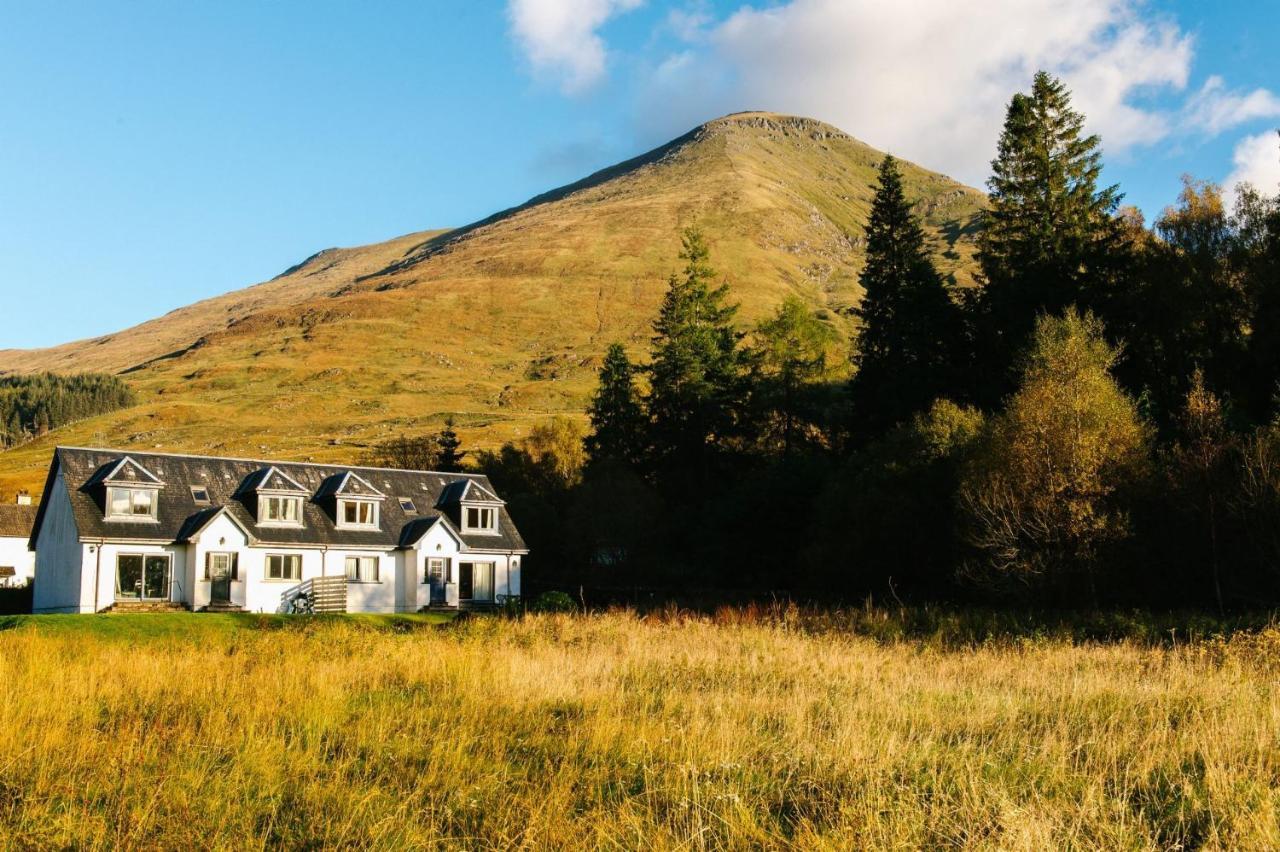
741, 730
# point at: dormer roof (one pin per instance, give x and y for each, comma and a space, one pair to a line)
349, 484
272, 478
467, 491
125, 471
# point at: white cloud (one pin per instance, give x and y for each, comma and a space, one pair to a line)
1213, 109
560, 37
930, 79
1257, 162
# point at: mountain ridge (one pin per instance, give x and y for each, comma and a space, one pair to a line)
501, 322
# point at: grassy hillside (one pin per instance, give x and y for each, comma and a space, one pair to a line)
616, 732
500, 323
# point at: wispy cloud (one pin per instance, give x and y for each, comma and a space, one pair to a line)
1213, 109
560, 38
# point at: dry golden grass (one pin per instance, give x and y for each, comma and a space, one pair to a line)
612, 731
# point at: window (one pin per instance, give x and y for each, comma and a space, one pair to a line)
284, 566
407, 505
280, 510
221, 566
132, 503
437, 572
200, 495
362, 569
357, 513
478, 518
142, 576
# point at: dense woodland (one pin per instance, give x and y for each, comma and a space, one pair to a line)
32, 405
1094, 425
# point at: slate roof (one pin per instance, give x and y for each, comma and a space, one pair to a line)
230, 483
16, 521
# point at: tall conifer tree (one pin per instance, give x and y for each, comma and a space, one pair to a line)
911, 329
1050, 238
450, 445
697, 368
617, 417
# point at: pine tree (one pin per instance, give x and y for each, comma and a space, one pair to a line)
911, 329
696, 371
790, 351
617, 418
1050, 238
450, 457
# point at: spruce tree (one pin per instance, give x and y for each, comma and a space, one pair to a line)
1050, 238
451, 454
617, 418
911, 329
790, 353
696, 368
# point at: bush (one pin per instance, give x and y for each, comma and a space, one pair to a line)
553, 602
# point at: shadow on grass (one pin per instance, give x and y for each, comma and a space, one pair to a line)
200, 626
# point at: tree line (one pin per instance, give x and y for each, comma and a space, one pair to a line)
32, 405
1095, 424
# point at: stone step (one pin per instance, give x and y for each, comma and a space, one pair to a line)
223, 607
147, 606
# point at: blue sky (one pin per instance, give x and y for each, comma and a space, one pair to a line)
155, 153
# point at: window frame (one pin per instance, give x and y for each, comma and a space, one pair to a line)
360, 560
284, 557
407, 505
490, 529
206, 500
445, 570
374, 514
150, 516
233, 567
265, 501
146, 557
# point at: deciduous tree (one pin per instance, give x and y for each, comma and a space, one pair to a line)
1041, 494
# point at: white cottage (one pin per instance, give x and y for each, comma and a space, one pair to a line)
17, 562
125, 530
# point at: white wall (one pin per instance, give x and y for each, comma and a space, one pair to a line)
61, 585
368, 597
14, 554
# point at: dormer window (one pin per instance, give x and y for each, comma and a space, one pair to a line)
361, 514
132, 504
280, 510
480, 519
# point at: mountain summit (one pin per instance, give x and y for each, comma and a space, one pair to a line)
501, 322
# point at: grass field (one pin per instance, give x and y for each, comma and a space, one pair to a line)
746, 729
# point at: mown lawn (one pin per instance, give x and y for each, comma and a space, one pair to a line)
744, 730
